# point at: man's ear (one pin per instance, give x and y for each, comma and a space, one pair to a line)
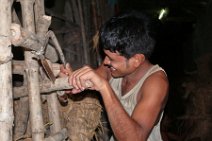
138, 59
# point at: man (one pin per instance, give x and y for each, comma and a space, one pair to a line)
134, 91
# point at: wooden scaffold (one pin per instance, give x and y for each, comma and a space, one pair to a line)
33, 36
22, 110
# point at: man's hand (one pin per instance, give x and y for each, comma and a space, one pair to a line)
65, 70
86, 78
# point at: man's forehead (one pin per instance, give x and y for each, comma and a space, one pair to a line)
110, 53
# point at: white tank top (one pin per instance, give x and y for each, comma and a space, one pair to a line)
129, 100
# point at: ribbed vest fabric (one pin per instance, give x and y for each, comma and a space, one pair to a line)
129, 100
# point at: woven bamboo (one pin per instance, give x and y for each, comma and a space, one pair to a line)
82, 116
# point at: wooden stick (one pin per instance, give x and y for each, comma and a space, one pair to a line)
32, 75
21, 117
6, 102
39, 12
19, 67
45, 87
53, 110
57, 46
25, 38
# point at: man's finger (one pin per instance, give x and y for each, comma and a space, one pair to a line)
69, 69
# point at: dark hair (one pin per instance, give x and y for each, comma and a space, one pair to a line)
128, 34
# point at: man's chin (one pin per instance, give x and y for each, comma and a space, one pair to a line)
115, 75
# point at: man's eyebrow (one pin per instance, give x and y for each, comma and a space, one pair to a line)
108, 56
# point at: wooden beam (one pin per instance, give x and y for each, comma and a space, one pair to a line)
46, 87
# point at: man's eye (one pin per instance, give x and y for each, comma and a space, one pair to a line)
110, 59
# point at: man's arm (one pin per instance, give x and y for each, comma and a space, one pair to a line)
146, 113
150, 104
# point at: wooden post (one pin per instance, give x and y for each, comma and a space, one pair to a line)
39, 11
54, 114
42, 25
32, 75
6, 100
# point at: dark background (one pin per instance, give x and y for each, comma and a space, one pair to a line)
183, 49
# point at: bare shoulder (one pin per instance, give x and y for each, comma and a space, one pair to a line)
157, 79
155, 87
151, 100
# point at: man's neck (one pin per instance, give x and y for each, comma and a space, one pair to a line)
139, 72
129, 81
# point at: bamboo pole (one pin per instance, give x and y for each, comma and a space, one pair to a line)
6, 102
36, 118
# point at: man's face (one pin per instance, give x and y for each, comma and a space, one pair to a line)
118, 65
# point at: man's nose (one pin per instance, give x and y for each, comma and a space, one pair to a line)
107, 61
